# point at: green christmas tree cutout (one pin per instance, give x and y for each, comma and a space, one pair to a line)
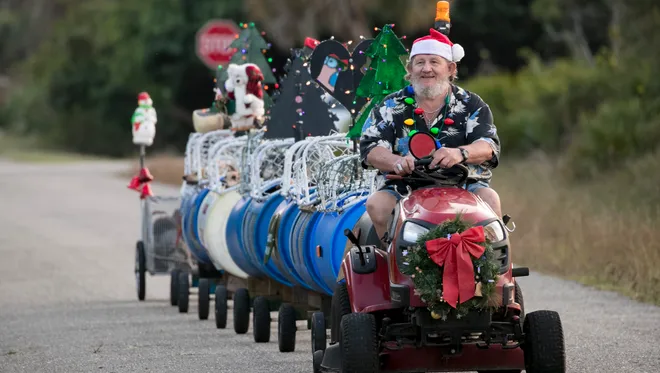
385, 74
250, 47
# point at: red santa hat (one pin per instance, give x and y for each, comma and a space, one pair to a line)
438, 44
143, 96
255, 77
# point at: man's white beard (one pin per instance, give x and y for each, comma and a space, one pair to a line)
432, 91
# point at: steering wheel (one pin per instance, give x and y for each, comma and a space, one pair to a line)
446, 176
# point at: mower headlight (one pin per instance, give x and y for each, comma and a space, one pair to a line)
412, 232
494, 232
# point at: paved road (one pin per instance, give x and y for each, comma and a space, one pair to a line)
68, 304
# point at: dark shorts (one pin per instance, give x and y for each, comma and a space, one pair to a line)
472, 188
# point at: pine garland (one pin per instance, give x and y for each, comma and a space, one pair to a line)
427, 275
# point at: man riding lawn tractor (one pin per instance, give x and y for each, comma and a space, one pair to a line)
461, 122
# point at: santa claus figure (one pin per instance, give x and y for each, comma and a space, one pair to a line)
243, 86
144, 121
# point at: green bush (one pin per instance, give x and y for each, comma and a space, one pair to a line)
593, 116
80, 87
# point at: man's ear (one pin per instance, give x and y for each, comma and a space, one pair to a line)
453, 68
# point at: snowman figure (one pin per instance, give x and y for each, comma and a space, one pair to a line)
144, 121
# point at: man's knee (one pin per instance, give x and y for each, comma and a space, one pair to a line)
380, 206
491, 197
488, 193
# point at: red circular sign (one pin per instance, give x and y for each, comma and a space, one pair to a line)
213, 41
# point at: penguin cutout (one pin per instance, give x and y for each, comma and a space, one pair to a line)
340, 71
300, 110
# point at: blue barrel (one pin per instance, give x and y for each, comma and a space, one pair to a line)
255, 234
298, 243
234, 236
190, 235
287, 212
327, 242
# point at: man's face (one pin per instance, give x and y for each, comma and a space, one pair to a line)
430, 74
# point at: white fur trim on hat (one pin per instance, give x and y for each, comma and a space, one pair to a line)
430, 46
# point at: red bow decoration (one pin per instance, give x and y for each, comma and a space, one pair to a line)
454, 255
141, 183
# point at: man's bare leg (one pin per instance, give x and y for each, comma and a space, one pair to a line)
379, 207
491, 197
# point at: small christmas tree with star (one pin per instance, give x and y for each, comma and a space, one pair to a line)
385, 75
250, 47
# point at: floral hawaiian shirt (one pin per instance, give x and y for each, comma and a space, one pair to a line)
470, 120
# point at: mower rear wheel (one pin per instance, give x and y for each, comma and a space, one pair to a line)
261, 320
174, 287
241, 311
358, 343
340, 306
286, 328
184, 292
544, 343
220, 307
204, 298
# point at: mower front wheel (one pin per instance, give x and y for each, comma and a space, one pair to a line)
544, 343
358, 343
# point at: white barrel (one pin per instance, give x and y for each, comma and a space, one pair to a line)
214, 238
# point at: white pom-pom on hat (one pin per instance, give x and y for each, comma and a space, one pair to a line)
457, 52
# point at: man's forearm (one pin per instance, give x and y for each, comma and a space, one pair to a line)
479, 152
382, 159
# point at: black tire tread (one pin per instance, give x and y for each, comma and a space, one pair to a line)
359, 344
241, 311
544, 343
203, 298
341, 305
174, 287
184, 292
318, 332
142, 271
220, 307
261, 320
286, 328
520, 300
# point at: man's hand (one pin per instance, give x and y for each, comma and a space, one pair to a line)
446, 157
404, 165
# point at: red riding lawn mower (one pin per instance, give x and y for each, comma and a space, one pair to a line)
379, 321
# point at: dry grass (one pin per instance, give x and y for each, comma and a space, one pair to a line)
20, 149
603, 233
597, 233
164, 168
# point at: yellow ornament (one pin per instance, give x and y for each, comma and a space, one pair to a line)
436, 316
409, 122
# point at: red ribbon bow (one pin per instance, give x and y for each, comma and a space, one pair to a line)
454, 255
141, 183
